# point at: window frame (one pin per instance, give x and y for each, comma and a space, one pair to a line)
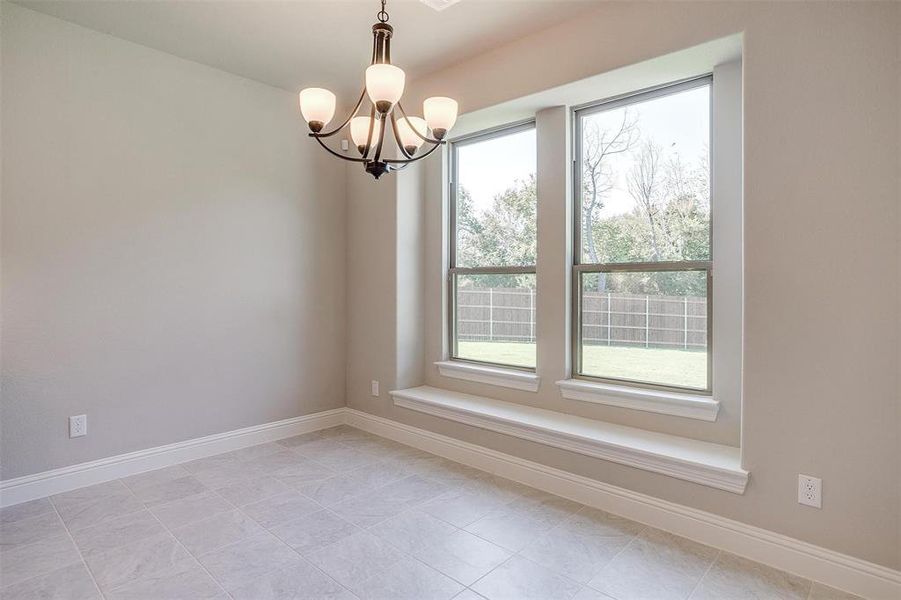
580, 268
452, 269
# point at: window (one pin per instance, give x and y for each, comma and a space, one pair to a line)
642, 251
493, 240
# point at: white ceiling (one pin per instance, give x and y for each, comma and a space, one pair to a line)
299, 43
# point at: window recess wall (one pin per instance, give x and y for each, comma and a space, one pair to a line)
656, 204
706, 409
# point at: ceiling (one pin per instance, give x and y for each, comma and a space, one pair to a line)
294, 44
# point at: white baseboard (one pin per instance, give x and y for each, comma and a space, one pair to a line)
831, 568
801, 558
56, 481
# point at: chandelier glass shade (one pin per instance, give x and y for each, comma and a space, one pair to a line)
383, 89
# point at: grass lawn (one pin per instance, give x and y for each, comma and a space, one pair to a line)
656, 365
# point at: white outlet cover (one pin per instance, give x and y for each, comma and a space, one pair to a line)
374, 387
78, 426
810, 491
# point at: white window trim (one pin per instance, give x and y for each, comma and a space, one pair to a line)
691, 406
509, 378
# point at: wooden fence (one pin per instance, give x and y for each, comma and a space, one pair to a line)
508, 315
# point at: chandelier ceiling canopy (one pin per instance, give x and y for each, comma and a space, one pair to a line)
383, 87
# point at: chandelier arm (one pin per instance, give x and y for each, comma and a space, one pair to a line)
318, 137
400, 144
393, 162
407, 119
368, 146
347, 120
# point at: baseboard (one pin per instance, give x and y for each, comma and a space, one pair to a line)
47, 483
831, 568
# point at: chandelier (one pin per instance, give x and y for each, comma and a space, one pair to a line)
384, 86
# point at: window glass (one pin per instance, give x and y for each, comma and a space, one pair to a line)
644, 251
646, 180
495, 319
496, 201
492, 270
648, 327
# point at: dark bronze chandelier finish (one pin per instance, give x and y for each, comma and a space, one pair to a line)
409, 133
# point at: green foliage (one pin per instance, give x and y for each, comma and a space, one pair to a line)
672, 223
669, 222
503, 235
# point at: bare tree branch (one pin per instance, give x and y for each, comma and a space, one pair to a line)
598, 145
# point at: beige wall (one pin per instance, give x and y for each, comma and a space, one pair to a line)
821, 208
371, 283
385, 332
173, 250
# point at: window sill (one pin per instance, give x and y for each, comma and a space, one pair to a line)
508, 378
691, 406
708, 464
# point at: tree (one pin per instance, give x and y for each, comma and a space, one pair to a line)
643, 183
670, 222
504, 234
468, 228
598, 145
687, 215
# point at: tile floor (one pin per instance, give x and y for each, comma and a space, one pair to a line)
341, 514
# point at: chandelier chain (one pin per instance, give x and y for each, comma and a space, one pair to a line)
382, 15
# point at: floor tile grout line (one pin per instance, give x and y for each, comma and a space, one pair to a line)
614, 557
644, 528
305, 559
191, 554
631, 541
496, 567
518, 553
196, 557
700, 580
37, 516
401, 551
416, 506
407, 510
98, 500
78, 550
412, 556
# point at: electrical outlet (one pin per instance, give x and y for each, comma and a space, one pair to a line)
810, 491
375, 388
345, 145
78, 426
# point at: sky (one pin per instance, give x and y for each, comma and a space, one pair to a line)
677, 122
491, 167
